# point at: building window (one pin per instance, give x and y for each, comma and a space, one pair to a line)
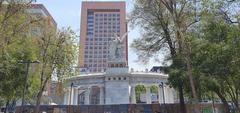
90, 25
90, 13
90, 60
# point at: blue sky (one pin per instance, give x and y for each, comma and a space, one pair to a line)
67, 13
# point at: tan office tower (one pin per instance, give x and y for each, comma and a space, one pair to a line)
99, 22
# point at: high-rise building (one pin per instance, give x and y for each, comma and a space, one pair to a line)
99, 22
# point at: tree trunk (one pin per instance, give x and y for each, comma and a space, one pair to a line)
39, 96
7, 103
181, 99
180, 86
225, 103
189, 73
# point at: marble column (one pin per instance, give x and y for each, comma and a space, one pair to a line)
69, 96
101, 95
133, 95
66, 98
148, 95
87, 95
72, 95
159, 95
75, 99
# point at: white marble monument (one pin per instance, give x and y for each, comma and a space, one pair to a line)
117, 85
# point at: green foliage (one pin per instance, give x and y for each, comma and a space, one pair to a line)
14, 46
55, 49
216, 58
204, 43
139, 89
154, 89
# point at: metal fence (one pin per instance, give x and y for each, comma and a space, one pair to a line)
123, 108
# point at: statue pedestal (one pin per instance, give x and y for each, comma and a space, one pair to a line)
117, 67
117, 82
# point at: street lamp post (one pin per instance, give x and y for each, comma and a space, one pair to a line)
26, 78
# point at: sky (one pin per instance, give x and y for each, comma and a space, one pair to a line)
67, 13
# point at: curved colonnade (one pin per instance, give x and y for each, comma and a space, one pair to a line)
102, 88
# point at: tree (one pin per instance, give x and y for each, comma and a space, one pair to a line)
166, 22
14, 25
57, 54
184, 19
157, 34
54, 48
215, 57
